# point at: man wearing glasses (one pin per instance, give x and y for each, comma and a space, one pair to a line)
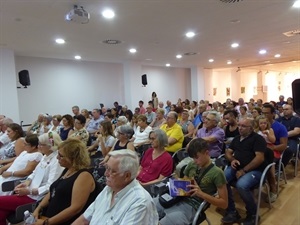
123, 200
246, 157
213, 134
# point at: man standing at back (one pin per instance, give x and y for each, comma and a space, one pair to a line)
246, 157
123, 201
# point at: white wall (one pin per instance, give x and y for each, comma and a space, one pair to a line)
168, 83
8, 85
57, 85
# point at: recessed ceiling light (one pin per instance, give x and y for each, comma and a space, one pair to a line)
211, 60
190, 34
168, 65
132, 50
108, 14
229, 62
277, 56
262, 51
235, 45
296, 4
148, 59
78, 57
60, 41
178, 56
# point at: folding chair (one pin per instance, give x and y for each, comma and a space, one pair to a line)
200, 215
281, 170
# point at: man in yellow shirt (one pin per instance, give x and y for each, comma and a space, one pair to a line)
174, 132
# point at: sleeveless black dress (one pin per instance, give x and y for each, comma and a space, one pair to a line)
61, 196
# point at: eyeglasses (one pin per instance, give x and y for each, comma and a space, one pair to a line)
111, 171
208, 119
120, 133
152, 138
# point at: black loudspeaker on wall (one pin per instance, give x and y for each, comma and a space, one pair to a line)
296, 95
144, 79
24, 78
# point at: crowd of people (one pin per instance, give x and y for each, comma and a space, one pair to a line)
136, 148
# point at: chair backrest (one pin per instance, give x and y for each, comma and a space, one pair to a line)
10, 185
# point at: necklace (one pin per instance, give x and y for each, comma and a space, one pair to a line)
68, 174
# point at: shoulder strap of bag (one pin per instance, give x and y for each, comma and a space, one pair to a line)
205, 171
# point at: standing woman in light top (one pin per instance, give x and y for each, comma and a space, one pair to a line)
15, 146
24, 164
154, 100
39, 181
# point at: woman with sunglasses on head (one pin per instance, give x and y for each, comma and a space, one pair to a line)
73, 191
38, 182
24, 164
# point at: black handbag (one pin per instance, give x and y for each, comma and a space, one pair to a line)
166, 200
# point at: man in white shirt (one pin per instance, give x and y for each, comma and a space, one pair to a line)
123, 201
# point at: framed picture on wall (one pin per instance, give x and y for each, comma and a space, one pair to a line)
214, 91
242, 90
228, 91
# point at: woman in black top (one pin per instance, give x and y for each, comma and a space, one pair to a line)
74, 191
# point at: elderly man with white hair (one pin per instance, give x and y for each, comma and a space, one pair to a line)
123, 200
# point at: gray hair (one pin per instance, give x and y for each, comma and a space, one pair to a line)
122, 119
127, 130
216, 115
161, 136
51, 142
6, 121
128, 161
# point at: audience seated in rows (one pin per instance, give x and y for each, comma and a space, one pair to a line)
75, 189
38, 182
24, 163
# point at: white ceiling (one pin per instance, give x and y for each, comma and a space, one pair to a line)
156, 29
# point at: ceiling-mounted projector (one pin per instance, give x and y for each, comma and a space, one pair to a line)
78, 15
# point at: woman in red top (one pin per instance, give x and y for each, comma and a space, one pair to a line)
157, 163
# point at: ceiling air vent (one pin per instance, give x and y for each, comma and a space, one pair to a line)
112, 42
230, 1
292, 33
